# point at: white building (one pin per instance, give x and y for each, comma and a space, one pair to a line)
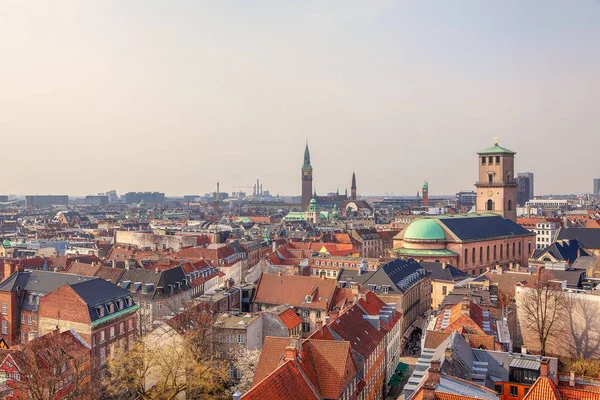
545, 232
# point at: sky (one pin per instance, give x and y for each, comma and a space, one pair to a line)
174, 96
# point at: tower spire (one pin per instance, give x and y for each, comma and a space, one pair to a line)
306, 157
353, 187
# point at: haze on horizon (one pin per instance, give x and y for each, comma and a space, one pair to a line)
173, 96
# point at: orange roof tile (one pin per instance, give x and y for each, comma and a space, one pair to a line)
292, 290
543, 389
270, 358
287, 382
290, 318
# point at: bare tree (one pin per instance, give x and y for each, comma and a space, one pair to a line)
541, 307
53, 366
245, 364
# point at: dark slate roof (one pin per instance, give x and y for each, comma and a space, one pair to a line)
564, 250
439, 273
39, 282
589, 238
98, 293
573, 277
399, 275
158, 279
482, 227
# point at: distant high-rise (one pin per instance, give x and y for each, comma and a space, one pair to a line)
306, 179
529, 175
523, 189
597, 187
46, 200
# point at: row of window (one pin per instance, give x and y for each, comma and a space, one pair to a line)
513, 390
222, 338
490, 160
112, 331
495, 255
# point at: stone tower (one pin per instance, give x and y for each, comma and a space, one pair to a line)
353, 187
306, 179
425, 200
497, 186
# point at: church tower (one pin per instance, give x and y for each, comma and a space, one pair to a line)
497, 187
425, 201
353, 187
306, 179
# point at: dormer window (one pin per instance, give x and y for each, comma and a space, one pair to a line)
121, 304
100, 311
308, 299
111, 307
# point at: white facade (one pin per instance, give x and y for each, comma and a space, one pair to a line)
545, 232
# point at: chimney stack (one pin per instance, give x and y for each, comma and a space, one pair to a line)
444, 265
545, 367
434, 373
523, 349
572, 379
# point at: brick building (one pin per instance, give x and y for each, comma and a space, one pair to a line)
20, 295
103, 314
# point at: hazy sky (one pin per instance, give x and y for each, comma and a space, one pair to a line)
175, 95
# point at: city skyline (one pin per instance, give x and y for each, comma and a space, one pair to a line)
152, 96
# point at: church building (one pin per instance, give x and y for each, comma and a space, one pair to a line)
473, 242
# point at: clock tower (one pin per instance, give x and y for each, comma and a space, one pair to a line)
497, 186
307, 179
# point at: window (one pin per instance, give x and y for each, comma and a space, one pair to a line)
305, 313
509, 204
384, 289
482, 160
305, 327
159, 305
241, 339
112, 331
29, 320
102, 356
466, 256
5, 327
444, 290
525, 391
22, 318
490, 204
229, 338
490, 160
318, 314
4, 308
121, 328
519, 249
488, 253
490, 180
501, 252
473, 256
130, 322
497, 159
102, 336
494, 252
481, 254
514, 391
93, 341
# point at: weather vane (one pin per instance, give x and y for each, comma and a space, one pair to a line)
496, 139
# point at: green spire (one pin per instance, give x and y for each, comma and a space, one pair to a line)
306, 157
315, 193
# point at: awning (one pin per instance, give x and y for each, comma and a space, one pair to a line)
401, 368
395, 380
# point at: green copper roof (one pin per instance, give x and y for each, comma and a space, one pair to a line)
306, 157
312, 207
424, 229
6, 244
424, 252
495, 149
426, 185
295, 216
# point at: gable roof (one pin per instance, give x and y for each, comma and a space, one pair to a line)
293, 290
448, 273
286, 382
271, 356
589, 238
354, 328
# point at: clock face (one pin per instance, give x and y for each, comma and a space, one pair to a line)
490, 193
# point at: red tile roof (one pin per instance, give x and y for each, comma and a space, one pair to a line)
292, 290
270, 358
351, 326
290, 318
543, 389
287, 382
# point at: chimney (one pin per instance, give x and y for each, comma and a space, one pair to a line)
465, 306
572, 379
319, 324
113, 263
279, 272
237, 395
444, 265
523, 349
545, 367
434, 373
291, 351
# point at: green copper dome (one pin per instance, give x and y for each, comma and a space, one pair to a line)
312, 207
6, 243
424, 229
